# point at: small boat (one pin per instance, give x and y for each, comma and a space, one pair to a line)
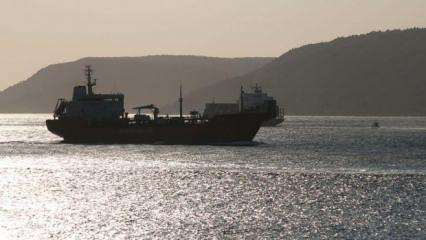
375, 124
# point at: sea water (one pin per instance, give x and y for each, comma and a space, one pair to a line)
312, 177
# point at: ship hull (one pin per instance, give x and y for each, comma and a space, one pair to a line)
223, 129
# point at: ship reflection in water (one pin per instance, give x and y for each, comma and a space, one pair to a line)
91, 117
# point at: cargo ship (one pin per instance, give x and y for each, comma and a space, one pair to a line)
250, 102
101, 118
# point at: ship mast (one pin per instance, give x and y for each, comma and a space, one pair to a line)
180, 101
241, 98
88, 72
257, 89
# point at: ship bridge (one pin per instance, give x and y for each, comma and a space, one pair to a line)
87, 105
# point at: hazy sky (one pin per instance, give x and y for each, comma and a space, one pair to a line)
36, 33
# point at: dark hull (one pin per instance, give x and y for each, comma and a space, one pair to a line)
223, 129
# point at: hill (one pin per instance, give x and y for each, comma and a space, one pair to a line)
379, 73
144, 80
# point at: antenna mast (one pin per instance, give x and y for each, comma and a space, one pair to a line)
88, 72
241, 98
180, 101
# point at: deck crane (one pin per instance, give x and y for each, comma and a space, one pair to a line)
155, 110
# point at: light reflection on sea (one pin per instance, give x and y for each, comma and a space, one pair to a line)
314, 177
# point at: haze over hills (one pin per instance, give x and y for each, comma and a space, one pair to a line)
143, 80
380, 73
